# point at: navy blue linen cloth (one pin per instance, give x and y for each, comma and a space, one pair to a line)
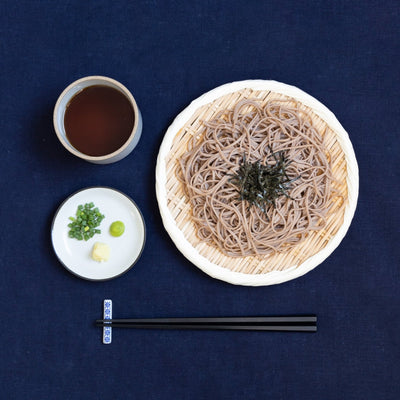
344, 53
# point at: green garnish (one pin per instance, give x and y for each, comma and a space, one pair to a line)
86, 220
117, 228
260, 185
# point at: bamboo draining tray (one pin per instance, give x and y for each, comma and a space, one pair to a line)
176, 210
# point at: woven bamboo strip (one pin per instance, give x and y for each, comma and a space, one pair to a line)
181, 211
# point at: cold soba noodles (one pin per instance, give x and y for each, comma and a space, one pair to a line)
275, 154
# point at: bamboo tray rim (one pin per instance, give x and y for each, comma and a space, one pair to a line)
272, 277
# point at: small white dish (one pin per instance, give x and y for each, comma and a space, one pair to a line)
75, 255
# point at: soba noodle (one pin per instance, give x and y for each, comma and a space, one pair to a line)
251, 130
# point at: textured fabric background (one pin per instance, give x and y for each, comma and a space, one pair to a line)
344, 53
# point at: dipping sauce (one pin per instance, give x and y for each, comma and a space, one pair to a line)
98, 120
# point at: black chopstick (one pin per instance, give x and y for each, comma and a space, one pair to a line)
277, 328
298, 323
291, 319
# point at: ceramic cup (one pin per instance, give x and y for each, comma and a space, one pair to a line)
71, 91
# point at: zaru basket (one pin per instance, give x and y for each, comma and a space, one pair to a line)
176, 210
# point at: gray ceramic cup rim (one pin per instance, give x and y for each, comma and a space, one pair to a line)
74, 88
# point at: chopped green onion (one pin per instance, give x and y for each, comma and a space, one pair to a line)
87, 219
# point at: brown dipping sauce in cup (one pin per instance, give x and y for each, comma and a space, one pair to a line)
98, 120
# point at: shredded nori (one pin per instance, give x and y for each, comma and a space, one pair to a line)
261, 184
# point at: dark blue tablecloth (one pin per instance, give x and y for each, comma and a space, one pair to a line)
344, 53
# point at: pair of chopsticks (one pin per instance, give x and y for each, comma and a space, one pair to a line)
299, 323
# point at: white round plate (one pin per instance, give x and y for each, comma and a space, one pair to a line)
126, 249
189, 251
